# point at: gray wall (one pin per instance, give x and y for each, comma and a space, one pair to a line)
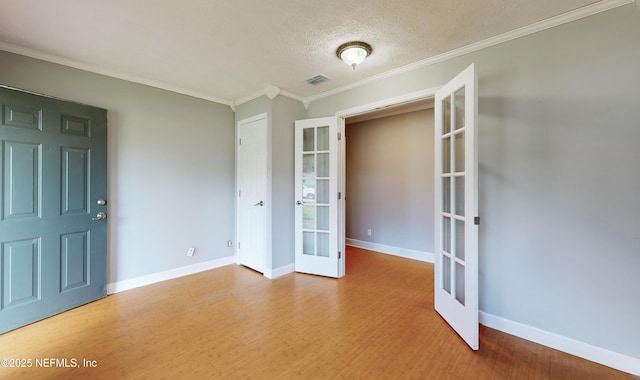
170, 166
389, 181
285, 112
281, 114
559, 129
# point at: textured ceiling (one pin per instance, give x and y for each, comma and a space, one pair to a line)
231, 50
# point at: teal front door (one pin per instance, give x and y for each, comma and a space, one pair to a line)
53, 228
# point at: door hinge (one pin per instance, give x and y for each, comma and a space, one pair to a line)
339, 195
476, 220
339, 136
339, 255
239, 193
240, 142
238, 245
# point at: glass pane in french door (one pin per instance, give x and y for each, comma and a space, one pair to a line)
315, 191
458, 98
452, 237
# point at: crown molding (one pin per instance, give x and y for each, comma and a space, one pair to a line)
248, 98
577, 14
574, 15
271, 92
110, 73
291, 95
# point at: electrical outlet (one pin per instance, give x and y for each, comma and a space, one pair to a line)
229, 243
368, 231
191, 251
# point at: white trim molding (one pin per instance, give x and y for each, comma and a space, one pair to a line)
120, 286
270, 92
389, 102
571, 346
279, 272
110, 73
427, 257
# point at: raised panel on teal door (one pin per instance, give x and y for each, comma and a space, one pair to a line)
21, 116
20, 272
74, 255
21, 163
54, 161
75, 180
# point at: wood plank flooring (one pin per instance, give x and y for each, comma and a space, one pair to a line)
376, 323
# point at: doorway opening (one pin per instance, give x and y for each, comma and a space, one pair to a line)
455, 196
389, 164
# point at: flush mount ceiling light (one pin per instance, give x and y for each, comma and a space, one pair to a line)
354, 52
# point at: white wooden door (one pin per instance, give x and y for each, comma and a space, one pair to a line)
252, 194
456, 205
317, 246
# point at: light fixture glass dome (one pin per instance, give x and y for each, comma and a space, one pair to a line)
354, 53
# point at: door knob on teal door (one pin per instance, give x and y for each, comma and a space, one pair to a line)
100, 216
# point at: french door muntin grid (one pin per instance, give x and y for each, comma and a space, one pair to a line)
315, 191
453, 196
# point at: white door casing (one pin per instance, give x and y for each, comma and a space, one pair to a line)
357, 111
456, 205
252, 193
317, 245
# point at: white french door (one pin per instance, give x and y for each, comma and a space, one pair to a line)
317, 244
456, 205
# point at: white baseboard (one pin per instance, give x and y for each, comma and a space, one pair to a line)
121, 286
279, 272
396, 251
571, 346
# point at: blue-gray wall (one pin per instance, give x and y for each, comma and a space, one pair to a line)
281, 115
389, 179
170, 166
559, 134
285, 112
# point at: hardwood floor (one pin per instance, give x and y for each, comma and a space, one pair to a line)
376, 323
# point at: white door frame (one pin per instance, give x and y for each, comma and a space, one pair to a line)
268, 201
355, 111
